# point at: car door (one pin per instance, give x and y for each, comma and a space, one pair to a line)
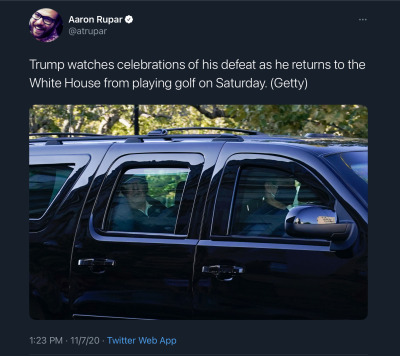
59, 180
248, 267
138, 263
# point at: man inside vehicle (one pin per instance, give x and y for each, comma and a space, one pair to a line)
268, 219
134, 210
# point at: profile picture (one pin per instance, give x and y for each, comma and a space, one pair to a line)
45, 25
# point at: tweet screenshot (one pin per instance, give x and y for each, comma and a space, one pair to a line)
198, 178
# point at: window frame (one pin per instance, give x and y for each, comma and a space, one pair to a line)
228, 187
192, 161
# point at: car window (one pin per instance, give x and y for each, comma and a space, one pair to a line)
147, 200
265, 195
353, 169
45, 181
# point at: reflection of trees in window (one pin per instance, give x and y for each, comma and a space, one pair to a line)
163, 186
156, 210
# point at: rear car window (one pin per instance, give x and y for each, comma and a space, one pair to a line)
147, 200
45, 181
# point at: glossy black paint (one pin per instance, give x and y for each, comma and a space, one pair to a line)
152, 277
288, 281
161, 275
283, 279
51, 237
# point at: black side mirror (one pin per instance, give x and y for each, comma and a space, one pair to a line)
317, 222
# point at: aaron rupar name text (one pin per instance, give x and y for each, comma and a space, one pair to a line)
97, 19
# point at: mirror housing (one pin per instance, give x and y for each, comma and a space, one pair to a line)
317, 222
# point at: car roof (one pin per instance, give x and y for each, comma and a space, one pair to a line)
319, 144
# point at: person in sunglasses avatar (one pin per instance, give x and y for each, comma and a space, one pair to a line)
45, 25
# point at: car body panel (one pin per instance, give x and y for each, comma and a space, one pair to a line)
167, 276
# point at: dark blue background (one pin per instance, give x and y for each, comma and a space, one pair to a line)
211, 30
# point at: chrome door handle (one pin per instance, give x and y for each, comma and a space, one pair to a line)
223, 273
92, 262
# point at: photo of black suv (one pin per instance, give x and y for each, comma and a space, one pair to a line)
237, 225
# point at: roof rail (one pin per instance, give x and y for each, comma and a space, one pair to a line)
137, 139
54, 141
163, 132
319, 135
175, 138
158, 134
229, 138
64, 134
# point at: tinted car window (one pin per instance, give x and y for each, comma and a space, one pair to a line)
353, 168
45, 181
147, 200
358, 163
263, 198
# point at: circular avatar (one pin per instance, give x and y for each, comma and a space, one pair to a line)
45, 25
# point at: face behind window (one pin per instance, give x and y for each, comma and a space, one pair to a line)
147, 200
264, 196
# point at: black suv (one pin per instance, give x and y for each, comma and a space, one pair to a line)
224, 226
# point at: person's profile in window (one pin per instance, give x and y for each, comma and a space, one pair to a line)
46, 25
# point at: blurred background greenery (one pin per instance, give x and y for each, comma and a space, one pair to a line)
343, 120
